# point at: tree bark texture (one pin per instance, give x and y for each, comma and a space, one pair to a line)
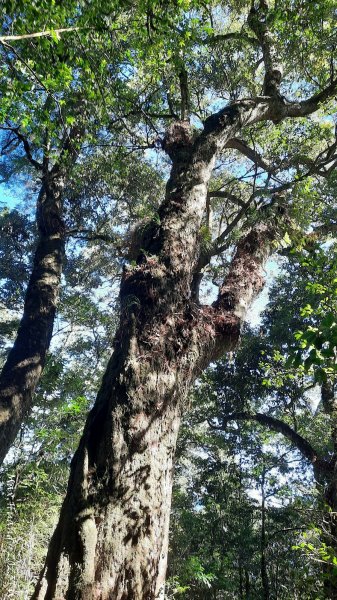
111, 540
329, 534
24, 364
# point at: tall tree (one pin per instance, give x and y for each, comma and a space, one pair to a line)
128, 77
111, 540
52, 103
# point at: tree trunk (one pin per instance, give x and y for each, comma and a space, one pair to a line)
26, 359
329, 534
263, 545
111, 540
247, 584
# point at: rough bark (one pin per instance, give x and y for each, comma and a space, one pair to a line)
24, 364
111, 541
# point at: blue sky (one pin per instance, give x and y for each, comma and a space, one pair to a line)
7, 196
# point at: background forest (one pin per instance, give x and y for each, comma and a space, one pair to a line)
255, 493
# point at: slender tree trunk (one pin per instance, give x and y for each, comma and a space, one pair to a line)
329, 403
263, 564
329, 537
241, 596
247, 585
26, 359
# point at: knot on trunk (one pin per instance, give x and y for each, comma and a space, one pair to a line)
178, 140
142, 239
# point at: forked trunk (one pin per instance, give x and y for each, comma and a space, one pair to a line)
111, 540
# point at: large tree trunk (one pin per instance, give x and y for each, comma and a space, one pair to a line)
111, 540
26, 359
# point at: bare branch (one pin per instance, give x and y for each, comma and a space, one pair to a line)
306, 449
38, 34
255, 157
26, 145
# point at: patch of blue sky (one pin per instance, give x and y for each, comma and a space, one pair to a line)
272, 270
8, 198
209, 292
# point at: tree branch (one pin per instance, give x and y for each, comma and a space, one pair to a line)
255, 157
218, 245
37, 78
306, 449
232, 35
222, 126
24, 62
91, 236
184, 94
224, 318
244, 280
228, 196
319, 233
26, 145
315, 165
38, 34
307, 107
257, 21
